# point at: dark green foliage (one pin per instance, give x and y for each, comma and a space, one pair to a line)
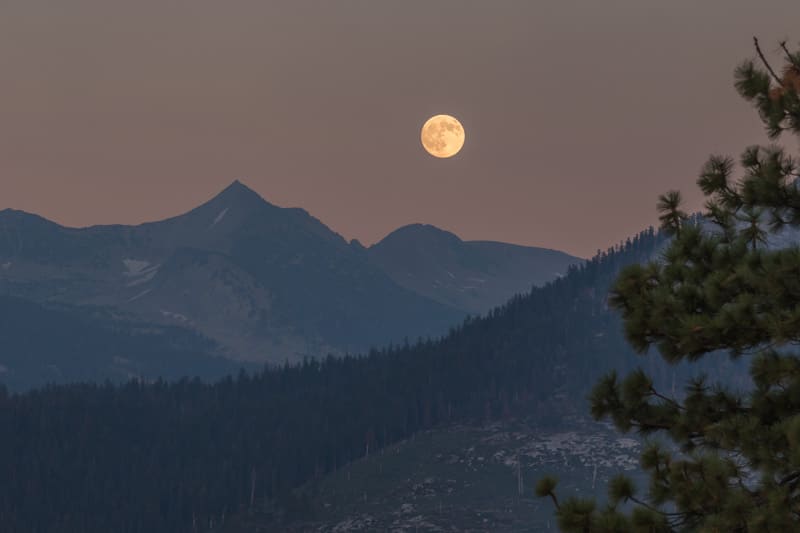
733, 460
545, 486
671, 218
620, 489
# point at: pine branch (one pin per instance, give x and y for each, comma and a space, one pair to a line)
644, 427
555, 500
789, 57
667, 399
789, 478
649, 507
766, 63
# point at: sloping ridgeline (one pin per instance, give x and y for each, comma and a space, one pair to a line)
172, 457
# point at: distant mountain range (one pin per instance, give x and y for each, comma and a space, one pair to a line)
275, 450
254, 282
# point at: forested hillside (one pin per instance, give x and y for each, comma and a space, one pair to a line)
178, 456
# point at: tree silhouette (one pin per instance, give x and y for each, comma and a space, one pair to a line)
727, 460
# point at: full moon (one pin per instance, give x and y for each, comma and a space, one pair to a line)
442, 136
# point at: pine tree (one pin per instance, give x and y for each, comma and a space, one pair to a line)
722, 459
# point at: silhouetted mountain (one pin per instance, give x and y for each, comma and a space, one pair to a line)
266, 283
471, 275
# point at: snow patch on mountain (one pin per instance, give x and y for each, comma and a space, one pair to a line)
145, 277
176, 316
140, 271
141, 294
220, 216
134, 267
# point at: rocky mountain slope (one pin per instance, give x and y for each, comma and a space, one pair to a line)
65, 344
476, 478
474, 276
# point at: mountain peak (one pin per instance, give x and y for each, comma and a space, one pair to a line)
421, 233
235, 197
235, 202
239, 192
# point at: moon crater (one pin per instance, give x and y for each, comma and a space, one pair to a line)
442, 136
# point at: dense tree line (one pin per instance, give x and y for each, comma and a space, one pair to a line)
178, 456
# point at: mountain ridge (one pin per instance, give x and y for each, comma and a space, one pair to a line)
264, 283
472, 275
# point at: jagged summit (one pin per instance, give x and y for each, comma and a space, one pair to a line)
238, 194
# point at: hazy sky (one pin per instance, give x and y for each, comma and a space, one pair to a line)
578, 113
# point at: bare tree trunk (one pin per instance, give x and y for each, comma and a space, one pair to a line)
252, 487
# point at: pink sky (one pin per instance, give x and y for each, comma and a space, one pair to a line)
578, 113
